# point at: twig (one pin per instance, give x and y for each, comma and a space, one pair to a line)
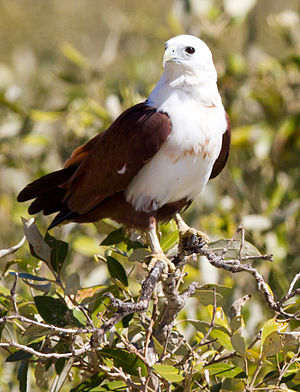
124, 308
74, 331
13, 249
46, 355
175, 303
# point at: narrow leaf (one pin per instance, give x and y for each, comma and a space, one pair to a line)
227, 370
59, 251
115, 237
38, 246
169, 373
22, 376
116, 270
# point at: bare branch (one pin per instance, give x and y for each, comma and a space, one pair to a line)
13, 249
30, 350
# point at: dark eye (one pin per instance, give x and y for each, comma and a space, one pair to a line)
190, 50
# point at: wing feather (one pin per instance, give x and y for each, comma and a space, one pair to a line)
224, 153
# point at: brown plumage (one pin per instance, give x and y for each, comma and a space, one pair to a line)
89, 186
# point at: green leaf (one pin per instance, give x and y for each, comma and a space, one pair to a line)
220, 318
158, 347
52, 310
233, 249
238, 343
79, 316
216, 387
272, 344
115, 237
22, 376
236, 323
59, 364
222, 339
59, 251
116, 270
227, 370
117, 386
170, 373
129, 362
126, 320
270, 326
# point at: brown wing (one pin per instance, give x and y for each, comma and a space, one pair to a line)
104, 165
115, 157
224, 153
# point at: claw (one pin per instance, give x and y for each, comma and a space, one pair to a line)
168, 267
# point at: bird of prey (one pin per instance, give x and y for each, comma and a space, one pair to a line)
154, 159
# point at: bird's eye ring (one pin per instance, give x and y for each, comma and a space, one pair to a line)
190, 50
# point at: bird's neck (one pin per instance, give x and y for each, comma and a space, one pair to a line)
189, 85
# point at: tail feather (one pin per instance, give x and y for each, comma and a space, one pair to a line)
48, 195
47, 183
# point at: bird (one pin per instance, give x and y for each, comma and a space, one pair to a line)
153, 160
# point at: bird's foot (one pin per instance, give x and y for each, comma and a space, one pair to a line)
168, 266
191, 237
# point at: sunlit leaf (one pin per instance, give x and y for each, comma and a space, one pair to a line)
39, 248
270, 326
170, 373
226, 370
222, 338
272, 344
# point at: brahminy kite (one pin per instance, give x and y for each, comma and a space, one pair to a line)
154, 159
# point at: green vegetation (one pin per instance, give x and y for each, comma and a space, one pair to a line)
66, 70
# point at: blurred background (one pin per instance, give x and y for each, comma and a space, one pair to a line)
68, 68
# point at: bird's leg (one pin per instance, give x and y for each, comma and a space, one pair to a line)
189, 236
157, 252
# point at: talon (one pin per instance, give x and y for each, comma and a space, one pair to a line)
192, 237
168, 266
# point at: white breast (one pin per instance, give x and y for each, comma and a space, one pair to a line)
182, 166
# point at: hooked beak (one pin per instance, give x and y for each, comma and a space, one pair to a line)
169, 55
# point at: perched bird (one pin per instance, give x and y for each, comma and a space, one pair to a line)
154, 159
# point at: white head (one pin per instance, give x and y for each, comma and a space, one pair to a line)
189, 56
